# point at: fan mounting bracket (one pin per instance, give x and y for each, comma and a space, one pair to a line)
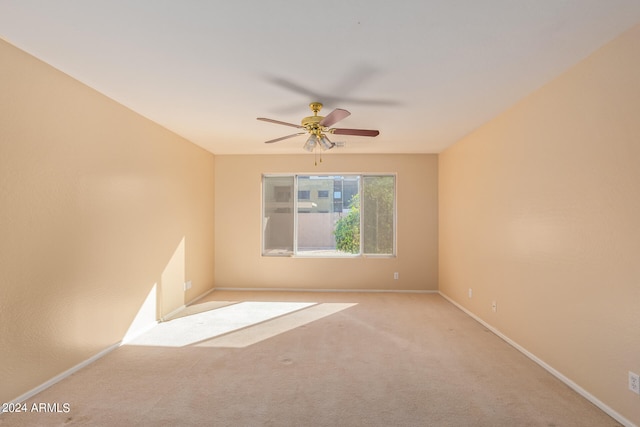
315, 107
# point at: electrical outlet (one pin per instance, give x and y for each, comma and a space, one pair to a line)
470, 293
634, 382
494, 306
396, 275
187, 285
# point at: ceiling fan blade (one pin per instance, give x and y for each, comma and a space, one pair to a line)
278, 122
356, 132
334, 117
284, 137
294, 87
354, 78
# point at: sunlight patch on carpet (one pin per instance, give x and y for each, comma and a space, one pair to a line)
268, 329
200, 328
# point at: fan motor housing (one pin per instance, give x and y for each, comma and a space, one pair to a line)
312, 121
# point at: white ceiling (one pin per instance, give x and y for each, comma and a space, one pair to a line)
423, 72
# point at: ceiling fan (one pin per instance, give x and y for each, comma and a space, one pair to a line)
318, 126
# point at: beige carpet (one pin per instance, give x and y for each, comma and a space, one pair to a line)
337, 359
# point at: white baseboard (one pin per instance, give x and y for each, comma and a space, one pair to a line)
79, 366
92, 359
401, 291
65, 374
169, 316
177, 311
198, 298
591, 398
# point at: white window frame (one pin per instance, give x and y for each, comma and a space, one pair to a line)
295, 253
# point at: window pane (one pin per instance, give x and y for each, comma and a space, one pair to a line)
304, 195
277, 220
378, 206
318, 213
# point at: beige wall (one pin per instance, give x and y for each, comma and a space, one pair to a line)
97, 205
540, 211
239, 263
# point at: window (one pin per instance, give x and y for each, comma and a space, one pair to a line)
304, 194
358, 220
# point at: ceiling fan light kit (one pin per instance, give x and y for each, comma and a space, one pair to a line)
325, 144
310, 145
318, 126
